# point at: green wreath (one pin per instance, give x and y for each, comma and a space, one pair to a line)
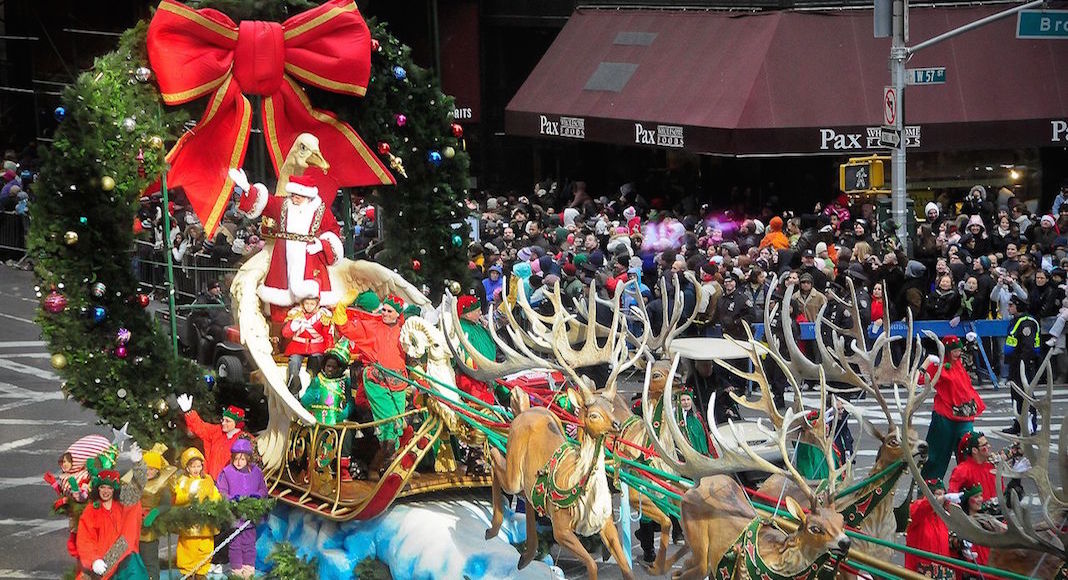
89, 187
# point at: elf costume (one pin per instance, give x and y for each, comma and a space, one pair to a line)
981, 553
480, 339
235, 484
373, 341
956, 405
326, 398
195, 543
693, 425
927, 531
970, 472
216, 442
109, 532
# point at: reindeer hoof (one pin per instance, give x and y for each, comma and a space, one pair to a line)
524, 559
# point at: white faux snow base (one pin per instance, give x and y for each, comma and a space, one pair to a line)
441, 538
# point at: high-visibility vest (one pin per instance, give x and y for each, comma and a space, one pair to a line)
1011, 339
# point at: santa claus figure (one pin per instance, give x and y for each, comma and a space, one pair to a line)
307, 240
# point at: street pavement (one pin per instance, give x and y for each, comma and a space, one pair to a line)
37, 424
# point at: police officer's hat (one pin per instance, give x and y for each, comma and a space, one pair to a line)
1019, 302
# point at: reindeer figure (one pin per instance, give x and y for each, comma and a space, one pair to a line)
559, 479
1020, 544
864, 369
724, 532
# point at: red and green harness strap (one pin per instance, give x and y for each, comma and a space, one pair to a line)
545, 491
746, 547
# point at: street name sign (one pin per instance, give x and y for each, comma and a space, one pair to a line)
935, 75
1046, 24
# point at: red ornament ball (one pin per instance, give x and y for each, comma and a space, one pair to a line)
120, 351
375, 45
143, 300
401, 119
55, 302
383, 148
457, 130
417, 265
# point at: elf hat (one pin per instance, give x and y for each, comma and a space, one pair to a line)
395, 302
935, 484
951, 342
467, 303
235, 413
969, 492
108, 477
968, 442
340, 352
302, 185
367, 301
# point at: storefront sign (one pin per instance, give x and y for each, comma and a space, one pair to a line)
663, 135
1060, 131
572, 127
832, 140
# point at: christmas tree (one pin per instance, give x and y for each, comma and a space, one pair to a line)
110, 145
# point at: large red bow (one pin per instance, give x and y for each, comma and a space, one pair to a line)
197, 52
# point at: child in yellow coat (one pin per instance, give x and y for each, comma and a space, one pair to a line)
195, 544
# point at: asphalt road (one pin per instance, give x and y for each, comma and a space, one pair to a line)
37, 424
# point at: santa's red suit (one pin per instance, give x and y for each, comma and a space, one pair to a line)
307, 240
307, 334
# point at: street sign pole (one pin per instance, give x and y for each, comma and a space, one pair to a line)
899, 54
898, 192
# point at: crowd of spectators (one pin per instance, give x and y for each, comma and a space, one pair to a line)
971, 256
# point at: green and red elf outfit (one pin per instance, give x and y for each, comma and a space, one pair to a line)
981, 553
109, 533
926, 531
480, 339
956, 405
372, 341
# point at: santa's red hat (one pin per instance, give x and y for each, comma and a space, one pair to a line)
302, 185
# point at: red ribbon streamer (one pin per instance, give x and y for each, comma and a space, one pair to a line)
195, 53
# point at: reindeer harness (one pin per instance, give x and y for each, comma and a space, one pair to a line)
746, 547
545, 492
855, 513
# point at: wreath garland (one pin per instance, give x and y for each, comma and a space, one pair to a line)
110, 146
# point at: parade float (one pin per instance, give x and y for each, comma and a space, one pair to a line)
564, 445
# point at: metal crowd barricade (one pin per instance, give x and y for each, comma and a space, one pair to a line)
13, 229
191, 276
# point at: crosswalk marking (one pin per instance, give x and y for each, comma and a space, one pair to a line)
22, 343
38, 355
32, 574
28, 370
8, 482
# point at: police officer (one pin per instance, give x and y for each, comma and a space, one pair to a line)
734, 308
1022, 345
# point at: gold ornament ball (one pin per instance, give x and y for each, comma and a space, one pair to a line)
156, 142
70, 238
455, 288
59, 361
448, 152
107, 183
161, 406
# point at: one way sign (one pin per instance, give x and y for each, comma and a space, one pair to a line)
889, 137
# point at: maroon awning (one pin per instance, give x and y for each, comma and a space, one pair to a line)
778, 83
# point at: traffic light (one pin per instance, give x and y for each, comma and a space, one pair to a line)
862, 174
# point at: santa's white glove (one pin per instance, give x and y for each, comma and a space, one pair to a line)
954, 497
315, 247
185, 402
134, 453
954, 321
99, 567
971, 337
239, 178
